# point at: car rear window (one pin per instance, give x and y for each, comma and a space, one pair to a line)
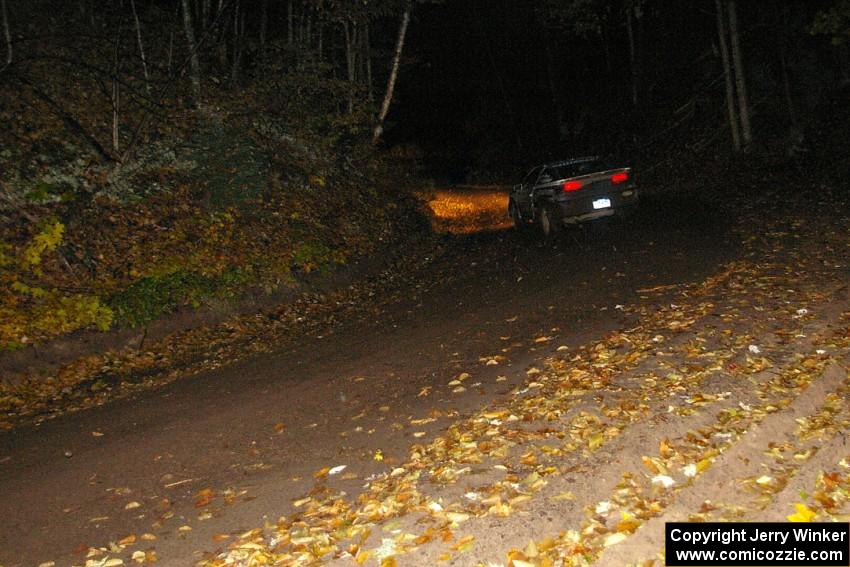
576, 169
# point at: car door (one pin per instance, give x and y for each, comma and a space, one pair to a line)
523, 195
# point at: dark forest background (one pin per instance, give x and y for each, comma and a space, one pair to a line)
484, 85
505, 81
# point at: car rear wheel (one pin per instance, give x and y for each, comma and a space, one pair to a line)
550, 222
519, 223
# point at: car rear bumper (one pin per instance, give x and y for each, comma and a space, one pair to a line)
581, 208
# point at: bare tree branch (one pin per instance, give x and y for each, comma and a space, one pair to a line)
70, 122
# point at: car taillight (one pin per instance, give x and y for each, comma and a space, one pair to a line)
620, 177
572, 185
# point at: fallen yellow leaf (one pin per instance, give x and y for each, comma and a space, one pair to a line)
204, 497
614, 539
803, 514
564, 496
464, 544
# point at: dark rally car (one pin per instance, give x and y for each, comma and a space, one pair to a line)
571, 191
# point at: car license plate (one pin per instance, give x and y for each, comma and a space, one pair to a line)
601, 203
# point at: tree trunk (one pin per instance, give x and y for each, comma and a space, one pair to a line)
170, 56
740, 74
786, 88
86, 11
193, 52
115, 102
141, 47
360, 52
300, 35
289, 23
238, 29
552, 82
366, 57
485, 38
631, 10
606, 48
727, 76
209, 14
351, 51
351, 48
321, 38
640, 57
223, 39
116, 90
264, 23
7, 34
388, 97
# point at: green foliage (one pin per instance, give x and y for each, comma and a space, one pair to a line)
149, 297
46, 240
44, 191
39, 312
6, 258
29, 311
312, 255
63, 313
833, 22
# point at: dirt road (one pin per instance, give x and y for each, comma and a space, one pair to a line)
454, 361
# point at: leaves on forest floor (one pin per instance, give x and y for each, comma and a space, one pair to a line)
571, 409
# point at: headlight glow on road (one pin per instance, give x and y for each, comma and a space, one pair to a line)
466, 210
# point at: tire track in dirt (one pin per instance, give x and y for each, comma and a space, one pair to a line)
722, 484
630, 456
